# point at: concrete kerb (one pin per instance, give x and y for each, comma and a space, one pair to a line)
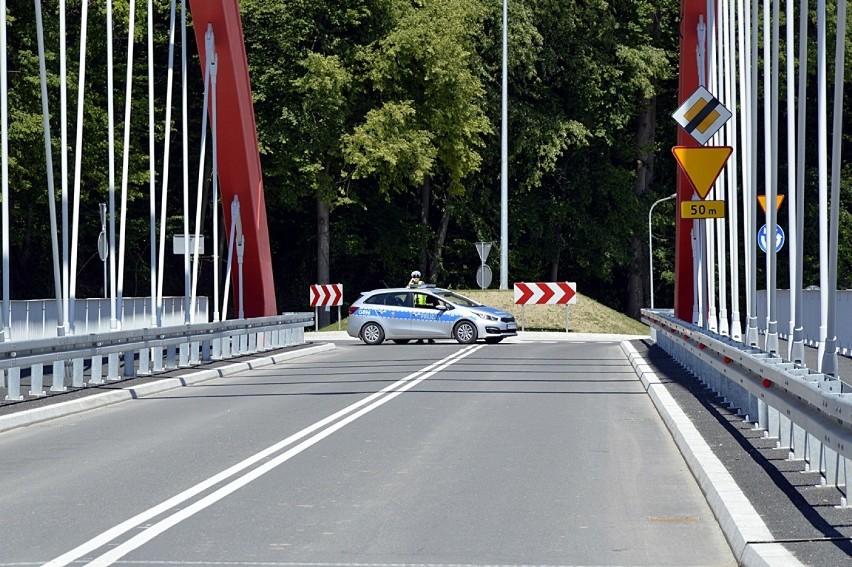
37, 415
747, 534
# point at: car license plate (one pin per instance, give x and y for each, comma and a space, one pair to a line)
512, 326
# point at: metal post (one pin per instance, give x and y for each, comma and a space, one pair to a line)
504, 153
4, 127
650, 250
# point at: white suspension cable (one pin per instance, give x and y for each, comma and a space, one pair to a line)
125, 163
48, 154
733, 189
199, 201
185, 152
767, 148
725, 181
167, 146
822, 153
793, 239
78, 161
63, 124
751, 197
709, 309
113, 316
830, 355
798, 353
744, 32
235, 222
772, 188
152, 176
215, 189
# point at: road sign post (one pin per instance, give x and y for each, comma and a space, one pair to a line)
326, 295
483, 274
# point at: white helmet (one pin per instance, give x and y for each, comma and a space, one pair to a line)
415, 274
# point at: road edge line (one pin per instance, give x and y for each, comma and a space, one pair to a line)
740, 522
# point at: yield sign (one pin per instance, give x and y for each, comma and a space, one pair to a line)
762, 200
702, 165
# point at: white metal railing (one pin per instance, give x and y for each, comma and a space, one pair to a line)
90, 359
809, 413
810, 312
38, 318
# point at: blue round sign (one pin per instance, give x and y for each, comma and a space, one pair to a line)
779, 238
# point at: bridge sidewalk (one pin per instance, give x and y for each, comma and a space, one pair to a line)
801, 515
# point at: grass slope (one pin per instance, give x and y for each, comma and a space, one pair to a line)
587, 316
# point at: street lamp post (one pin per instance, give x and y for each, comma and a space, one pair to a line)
504, 157
651, 246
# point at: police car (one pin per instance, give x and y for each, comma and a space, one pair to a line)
427, 312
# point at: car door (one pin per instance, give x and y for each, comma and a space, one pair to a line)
392, 310
430, 319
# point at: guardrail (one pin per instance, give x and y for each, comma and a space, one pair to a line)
809, 413
80, 358
811, 310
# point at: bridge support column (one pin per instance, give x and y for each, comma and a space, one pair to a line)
688, 83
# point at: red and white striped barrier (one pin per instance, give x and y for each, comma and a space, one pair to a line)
327, 295
549, 293
555, 293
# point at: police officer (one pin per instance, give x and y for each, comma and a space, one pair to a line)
415, 279
419, 298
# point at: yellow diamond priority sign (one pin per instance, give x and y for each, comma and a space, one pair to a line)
702, 165
702, 115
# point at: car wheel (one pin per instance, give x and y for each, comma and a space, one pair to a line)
493, 340
372, 334
465, 332
402, 341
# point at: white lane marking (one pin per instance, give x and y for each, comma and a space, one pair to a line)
303, 564
382, 396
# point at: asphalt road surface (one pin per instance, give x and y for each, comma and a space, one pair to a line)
528, 453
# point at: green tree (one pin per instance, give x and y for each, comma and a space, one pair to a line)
428, 127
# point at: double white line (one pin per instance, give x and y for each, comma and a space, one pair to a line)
314, 433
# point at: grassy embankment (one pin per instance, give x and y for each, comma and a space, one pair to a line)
587, 316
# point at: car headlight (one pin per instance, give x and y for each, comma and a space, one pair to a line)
485, 316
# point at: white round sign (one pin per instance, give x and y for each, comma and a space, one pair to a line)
103, 249
483, 276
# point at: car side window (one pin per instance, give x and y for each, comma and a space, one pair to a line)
426, 301
380, 299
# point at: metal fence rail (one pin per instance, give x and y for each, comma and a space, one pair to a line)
809, 413
81, 360
811, 314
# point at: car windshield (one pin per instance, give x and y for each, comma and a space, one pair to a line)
457, 299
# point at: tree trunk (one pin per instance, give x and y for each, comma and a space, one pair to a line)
435, 264
425, 206
324, 316
638, 275
638, 284
557, 252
